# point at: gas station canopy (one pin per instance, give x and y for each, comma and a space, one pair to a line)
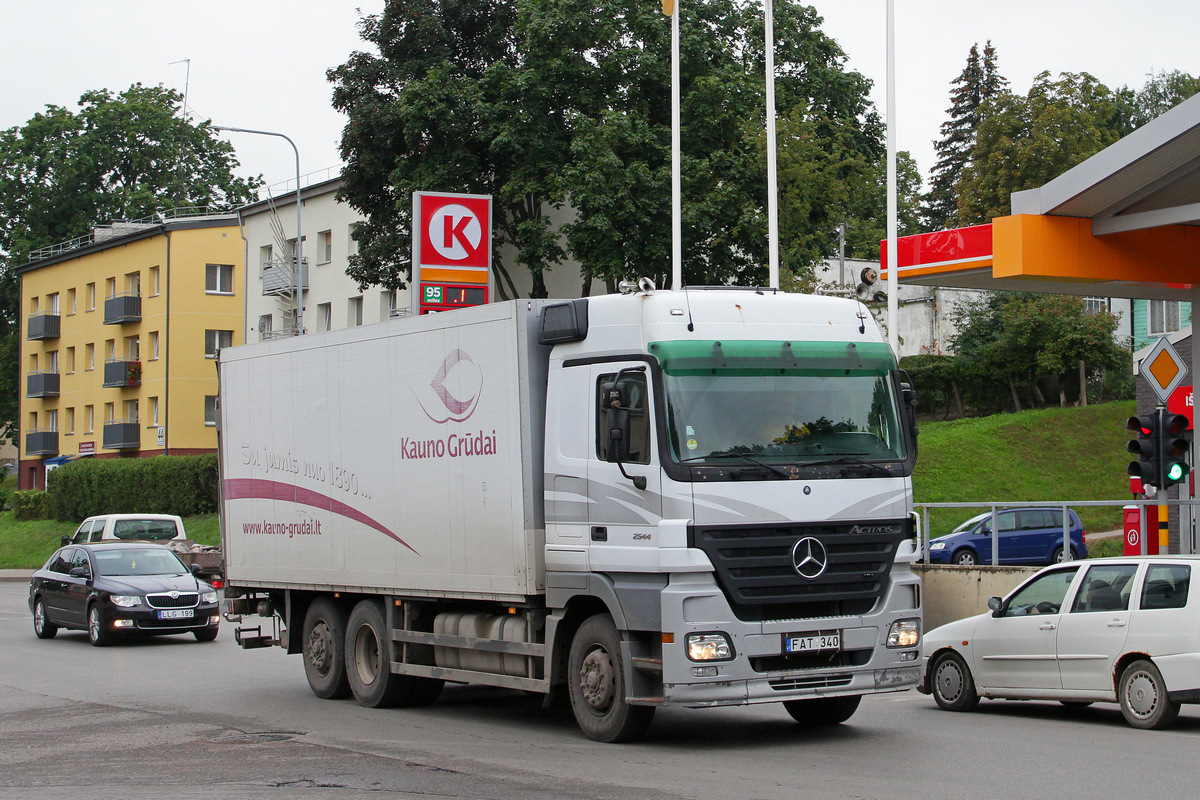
1124, 223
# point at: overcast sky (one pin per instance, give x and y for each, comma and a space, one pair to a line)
261, 63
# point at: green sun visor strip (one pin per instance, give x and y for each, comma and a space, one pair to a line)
757, 357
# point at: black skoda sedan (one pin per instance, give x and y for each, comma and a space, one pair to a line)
121, 588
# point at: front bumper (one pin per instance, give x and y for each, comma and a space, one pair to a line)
760, 672
143, 621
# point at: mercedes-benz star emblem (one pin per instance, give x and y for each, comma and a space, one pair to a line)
809, 558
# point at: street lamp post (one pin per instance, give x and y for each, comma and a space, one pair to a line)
299, 275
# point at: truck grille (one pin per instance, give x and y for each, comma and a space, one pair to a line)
184, 600
754, 567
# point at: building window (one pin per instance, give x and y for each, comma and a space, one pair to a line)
153, 346
70, 301
215, 340
325, 314
70, 360
153, 412
133, 348
70, 420
108, 412
89, 356
52, 420
351, 242
52, 361
110, 287
35, 305
89, 418
52, 303
33, 362
1164, 316
218, 279
265, 253
154, 281
210, 409
110, 349
91, 297
131, 410
1095, 305
324, 247
387, 305
133, 284
264, 327
354, 315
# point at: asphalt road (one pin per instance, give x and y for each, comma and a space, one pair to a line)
175, 718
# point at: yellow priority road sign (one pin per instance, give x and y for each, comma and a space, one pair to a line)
1164, 369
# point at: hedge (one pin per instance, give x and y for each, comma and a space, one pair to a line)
32, 504
183, 485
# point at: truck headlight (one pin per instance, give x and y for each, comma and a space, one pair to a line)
937, 546
904, 633
125, 600
708, 647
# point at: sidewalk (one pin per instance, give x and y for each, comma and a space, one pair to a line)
15, 575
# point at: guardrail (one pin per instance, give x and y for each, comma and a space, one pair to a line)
923, 538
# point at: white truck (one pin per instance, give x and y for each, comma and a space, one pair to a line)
692, 498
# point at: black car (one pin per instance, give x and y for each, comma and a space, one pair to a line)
113, 589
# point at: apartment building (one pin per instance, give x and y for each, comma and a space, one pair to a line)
120, 331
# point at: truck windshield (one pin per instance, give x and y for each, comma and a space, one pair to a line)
780, 402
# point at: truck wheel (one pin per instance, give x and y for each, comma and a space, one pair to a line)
369, 667
324, 657
822, 711
43, 627
596, 680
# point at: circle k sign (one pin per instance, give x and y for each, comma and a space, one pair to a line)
455, 230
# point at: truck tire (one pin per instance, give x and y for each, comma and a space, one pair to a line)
822, 711
368, 664
324, 654
596, 681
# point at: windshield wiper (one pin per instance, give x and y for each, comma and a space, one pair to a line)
780, 472
854, 460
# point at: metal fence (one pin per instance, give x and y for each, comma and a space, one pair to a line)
923, 537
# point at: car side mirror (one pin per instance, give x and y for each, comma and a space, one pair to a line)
64, 541
80, 572
196, 569
996, 604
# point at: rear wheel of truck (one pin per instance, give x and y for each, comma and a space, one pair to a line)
369, 664
821, 711
596, 680
324, 657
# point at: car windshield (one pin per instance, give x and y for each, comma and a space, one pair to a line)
971, 523
137, 561
144, 529
795, 402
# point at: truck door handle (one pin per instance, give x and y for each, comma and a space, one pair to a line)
599, 533
1047, 626
1117, 623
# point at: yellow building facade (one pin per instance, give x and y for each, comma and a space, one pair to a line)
119, 340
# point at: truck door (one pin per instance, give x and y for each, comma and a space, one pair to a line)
621, 514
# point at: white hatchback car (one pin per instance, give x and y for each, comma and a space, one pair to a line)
1123, 630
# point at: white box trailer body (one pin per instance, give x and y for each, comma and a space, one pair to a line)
403, 457
667, 499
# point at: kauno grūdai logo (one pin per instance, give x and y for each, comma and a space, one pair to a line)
454, 392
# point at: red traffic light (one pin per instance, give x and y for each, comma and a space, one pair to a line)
1144, 425
1175, 424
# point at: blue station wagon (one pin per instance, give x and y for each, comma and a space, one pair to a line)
1027, 536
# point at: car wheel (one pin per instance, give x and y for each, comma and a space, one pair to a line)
823, 711
98, 635
951, 683
44, 628
596, 681
206, 634
965, 558
1057, 556
1143, 695
324, 654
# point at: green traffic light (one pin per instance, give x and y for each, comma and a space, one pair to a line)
1177, 471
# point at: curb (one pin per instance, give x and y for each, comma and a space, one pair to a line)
15, 575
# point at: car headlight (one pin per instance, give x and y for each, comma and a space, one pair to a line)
937, 546
904, 633
125, 600
708, 647
208, 597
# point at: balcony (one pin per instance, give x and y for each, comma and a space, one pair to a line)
41, 442
43, 326
42, 384
122, 372
122, 308
122, 434
279, 276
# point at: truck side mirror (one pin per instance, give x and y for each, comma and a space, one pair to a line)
616, 408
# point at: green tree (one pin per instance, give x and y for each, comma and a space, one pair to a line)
565, 103
1024, 142
979, 81
120, 156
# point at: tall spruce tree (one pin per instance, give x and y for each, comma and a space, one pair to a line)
979, 81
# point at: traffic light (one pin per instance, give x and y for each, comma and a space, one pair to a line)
1174, 449
1146, 448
